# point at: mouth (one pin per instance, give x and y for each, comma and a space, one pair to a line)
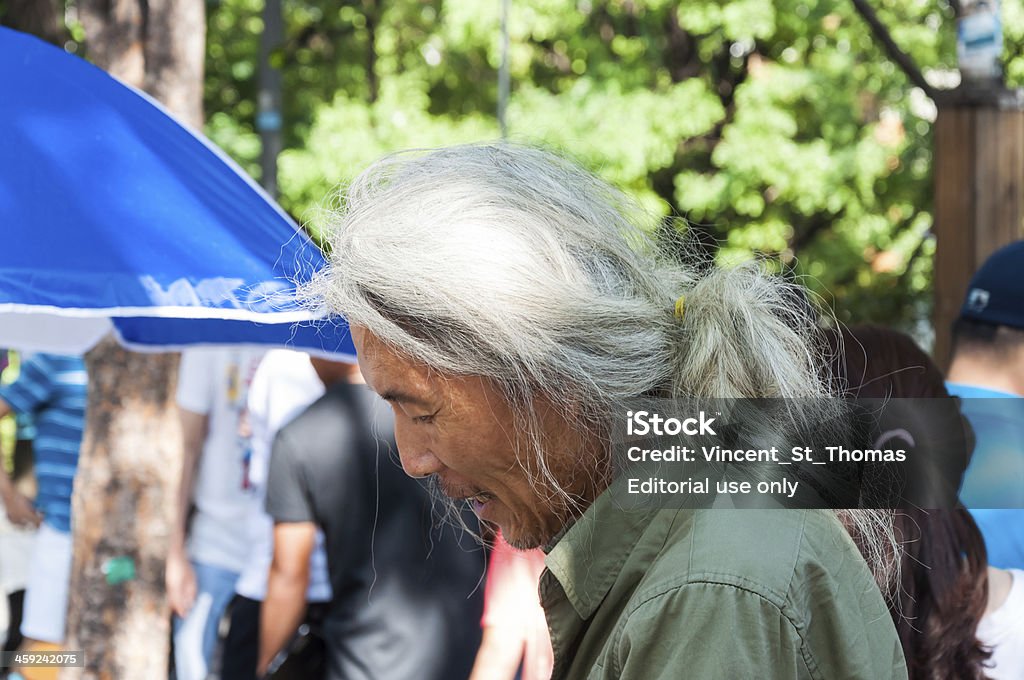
479, 501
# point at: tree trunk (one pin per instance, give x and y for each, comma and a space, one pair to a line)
131, 454
123, 503
157, 45
41, 18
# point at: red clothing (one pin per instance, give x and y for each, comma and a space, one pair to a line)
511, 602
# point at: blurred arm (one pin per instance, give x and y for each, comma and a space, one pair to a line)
19, 509
180, 577
285, 603
501, 651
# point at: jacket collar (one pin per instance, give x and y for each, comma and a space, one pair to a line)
588, 557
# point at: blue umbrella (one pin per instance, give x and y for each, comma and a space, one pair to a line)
115, 216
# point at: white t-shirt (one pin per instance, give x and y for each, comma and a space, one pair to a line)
215, 382
1003, 631
284, 385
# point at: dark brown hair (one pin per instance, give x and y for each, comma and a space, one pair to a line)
878, 362
943, 586
942, 596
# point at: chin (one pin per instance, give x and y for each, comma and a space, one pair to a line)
525, 538
522, 542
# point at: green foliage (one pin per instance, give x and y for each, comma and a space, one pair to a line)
780, 129
1013, 42
358, 134
8, 425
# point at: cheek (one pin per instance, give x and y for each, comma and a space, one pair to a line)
456, 448
472, 450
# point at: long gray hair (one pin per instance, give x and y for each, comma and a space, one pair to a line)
510, 263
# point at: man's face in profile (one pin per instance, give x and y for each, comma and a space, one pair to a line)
461, 429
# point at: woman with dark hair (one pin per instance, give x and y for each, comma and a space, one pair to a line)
957, 618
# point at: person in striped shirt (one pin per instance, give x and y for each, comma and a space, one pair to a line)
52, 389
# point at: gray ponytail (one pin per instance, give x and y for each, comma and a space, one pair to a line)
749, 337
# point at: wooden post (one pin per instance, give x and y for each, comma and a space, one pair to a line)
979, 194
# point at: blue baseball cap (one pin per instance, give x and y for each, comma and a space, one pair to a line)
996, 292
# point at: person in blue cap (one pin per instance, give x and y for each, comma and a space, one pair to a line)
987, 372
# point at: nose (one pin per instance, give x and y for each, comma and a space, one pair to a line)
414, 452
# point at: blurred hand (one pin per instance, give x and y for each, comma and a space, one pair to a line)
20, 510
180, 579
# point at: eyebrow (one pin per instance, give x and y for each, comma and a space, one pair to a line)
401, 397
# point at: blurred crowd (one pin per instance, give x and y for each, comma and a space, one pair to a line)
302, 550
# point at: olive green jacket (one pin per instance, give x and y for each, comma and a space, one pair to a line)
714, 594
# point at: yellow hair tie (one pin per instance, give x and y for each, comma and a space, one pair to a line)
681, 307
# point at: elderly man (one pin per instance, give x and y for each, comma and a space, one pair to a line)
508, 305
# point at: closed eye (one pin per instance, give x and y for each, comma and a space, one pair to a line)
425, 419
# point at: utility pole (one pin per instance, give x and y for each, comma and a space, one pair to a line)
268, 116
504, 81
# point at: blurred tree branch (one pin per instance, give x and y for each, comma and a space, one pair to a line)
901, 58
